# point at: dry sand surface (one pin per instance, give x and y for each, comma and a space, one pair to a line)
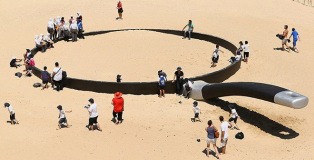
155, 128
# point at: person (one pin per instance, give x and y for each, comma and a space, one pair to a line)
162, 84
45, 76
66, 31
118, 107
188, 85
73, 28
30, 63
61, 30
13, 62
296, 37
224, 133
211, 139
48, 41
190, 30
285, 39
246, 48
93, 115
197, 111
120, 10
62, 118
50, 27
57, 77
240, 49
215, 56
234, 115
236, 58
179, 75
12, 113
57, 27
119, 78
71, 19
79, 17
80, 29
39, 45
27, 54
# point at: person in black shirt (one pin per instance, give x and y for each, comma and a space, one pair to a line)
13, 62
179, 75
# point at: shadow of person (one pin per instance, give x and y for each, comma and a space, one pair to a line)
211, 152
10, 122
256, 119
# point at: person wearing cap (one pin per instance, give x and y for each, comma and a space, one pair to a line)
93, 115
45, 77
62, 118
162, 84
178, 76
188, 85
48, 41
13, 62
38, 44
234, 116
160, 72
50, 27
80, 29
118, 107
42, 42
12, 113
57, 77
66, 31
73, 28
197, 111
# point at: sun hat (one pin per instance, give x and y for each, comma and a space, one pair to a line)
117, 95
91, 100
14, 58
179, 68
6, 104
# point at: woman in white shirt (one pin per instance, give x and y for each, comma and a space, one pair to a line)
38, 45
66, 31
234, 115
48, 40
74, 28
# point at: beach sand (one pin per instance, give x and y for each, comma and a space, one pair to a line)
155, 128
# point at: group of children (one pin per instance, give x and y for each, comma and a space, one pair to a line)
29, 62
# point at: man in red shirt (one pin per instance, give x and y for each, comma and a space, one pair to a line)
118, 107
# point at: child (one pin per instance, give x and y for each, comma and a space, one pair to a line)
12, 113
197, 111
119, 78
215, 56
296, 37
45, 76
162, 84
62, 118
246, 51
13, 62
234, 116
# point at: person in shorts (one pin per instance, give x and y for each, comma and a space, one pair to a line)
215, 56
296, 37
197, 111
224, 133
62, 118
45, 77
120, 10
118, 107
12, 114
285, 39
93, 115
234, 115
211, 139
162, 84
13, 62
246, 48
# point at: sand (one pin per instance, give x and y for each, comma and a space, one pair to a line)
155, 128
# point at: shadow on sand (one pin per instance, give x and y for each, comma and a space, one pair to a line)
256, 119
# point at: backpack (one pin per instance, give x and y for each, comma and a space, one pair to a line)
18, 74
239, 135
162, 81
64, 75
32, 62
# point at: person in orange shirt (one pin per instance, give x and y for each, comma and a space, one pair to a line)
120, 10
118, 107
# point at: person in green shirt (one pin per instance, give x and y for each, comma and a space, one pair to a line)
190, 30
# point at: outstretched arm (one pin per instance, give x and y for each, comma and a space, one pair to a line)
184, 27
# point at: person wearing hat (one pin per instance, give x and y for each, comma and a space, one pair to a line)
80, 29
118, 107
162, 84
178, 76
62, 118
197, 111
12, 113
13, 62
48, 41
50, 27
234, 115
73, 28
66, 31
93, 115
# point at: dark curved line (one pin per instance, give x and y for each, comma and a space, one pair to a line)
145, 88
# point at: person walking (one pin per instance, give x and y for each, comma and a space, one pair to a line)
74, 28
285, 39
57, 77
211, 139
93, 115
246, 48
224, 133
118, 107
178, 78
234, 116
190, 29
12, 114
62, 118
197, 111
162, 84
296, 37
120, 10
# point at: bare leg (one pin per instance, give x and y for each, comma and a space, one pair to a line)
216, 150
12, 122
91, 127
98, 126
283, 47
59, 126
247, 59
160, 93
224, 150
164, 93
67, 125
287, 47
207, 150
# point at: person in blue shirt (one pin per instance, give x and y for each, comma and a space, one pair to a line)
190, 30
80, 27
296, 37
162, 83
